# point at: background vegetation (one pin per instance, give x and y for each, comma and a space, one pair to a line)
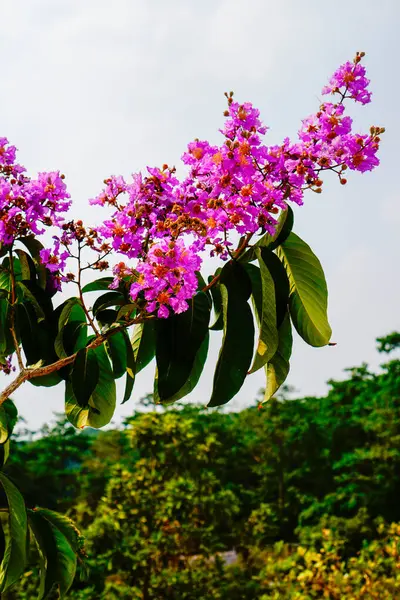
298, 499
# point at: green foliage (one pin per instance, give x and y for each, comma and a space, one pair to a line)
99, 409
69, 339
237, 345
300, 495
308, 298
178, 341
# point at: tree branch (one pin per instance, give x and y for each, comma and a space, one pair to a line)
32, 372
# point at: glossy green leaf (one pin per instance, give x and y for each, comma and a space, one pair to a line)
6, 340
34, 247
49, 380
29, 331
193, 378
116, 350
98, 285
85, 375
238, 340
277, 369
263, 297
65, 525
101, 404
4, 454
217, 303
8, 419
201, 285
71, 311
178, 339
107, 300
57, 558
126, 312
5, 272
14, 559
29, 296
308, 291
28, 271
143, 344
130, 368
281, 283
108, 316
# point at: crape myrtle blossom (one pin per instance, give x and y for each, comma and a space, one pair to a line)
28, 205
162, 224
167, 277
350, 82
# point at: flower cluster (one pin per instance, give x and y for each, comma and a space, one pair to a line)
167, 277
162, 224
350, 82
27, 205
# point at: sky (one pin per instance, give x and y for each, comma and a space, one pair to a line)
95, 88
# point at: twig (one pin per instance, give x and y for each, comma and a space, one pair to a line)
32, 372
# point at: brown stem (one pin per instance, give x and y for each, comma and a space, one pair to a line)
89, 318
31, 373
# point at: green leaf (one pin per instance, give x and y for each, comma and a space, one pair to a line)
29, 332
238, 340
66, 526
28, 271
217, 303
130, 368
143, 344
282, 231
308, 298
29, 296
75, 333
263, 297
67, 337
126, 312
4, 454
34, 247
178, 339
85, 375
49, 380
101, 404
98, 285
107, 316
57, 558
6, 340
5, 280
277, 369
106, 300
116, 350
193, 378
281, 283
201, 284
14, 559
8, 419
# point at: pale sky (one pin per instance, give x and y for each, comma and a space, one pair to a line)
95, 88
